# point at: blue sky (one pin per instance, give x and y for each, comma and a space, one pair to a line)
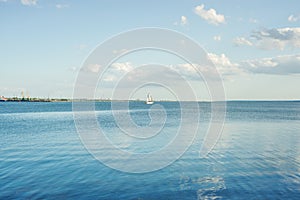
254, 44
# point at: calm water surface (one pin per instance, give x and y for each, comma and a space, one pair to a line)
257, 157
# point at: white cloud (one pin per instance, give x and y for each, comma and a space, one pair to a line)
277, 38
29, 2
94, 68
109, 78
223, 64
131, 75
253, 21
241, 41
116, 68
120, 51
217, 38
210, 15
24, 2
293, 18
134, 75
221, 60
282, 65
188, 71
61, 6
191, 71
270, 39
122, 67
183, 20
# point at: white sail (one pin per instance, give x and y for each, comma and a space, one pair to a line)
149, 99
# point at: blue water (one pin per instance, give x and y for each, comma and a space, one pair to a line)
257, 156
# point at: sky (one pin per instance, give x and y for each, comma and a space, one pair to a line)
255, 45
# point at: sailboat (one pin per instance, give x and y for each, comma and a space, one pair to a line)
149, 99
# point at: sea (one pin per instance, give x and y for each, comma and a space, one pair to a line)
43, 155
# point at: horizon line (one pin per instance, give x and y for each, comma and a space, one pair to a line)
137, 99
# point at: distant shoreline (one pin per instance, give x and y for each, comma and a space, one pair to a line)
136, 100
15, 99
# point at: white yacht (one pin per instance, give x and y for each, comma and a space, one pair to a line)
149, 99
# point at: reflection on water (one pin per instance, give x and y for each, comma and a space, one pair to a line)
258, 156
207, 187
